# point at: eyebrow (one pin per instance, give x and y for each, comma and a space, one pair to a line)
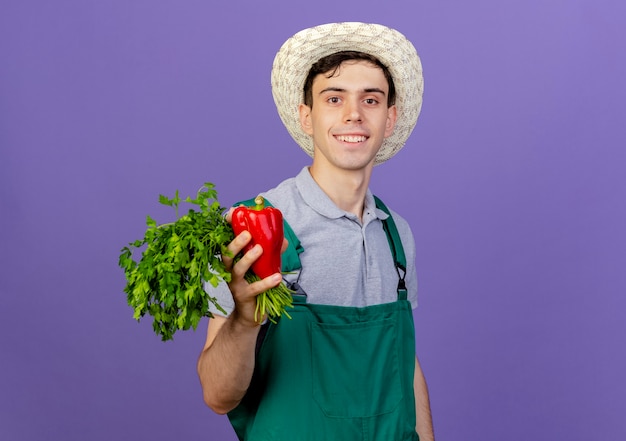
366, 90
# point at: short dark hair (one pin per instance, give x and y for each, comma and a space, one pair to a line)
330, 64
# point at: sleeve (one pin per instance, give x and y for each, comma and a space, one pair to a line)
222, 296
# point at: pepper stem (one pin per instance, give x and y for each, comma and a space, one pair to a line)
260, 202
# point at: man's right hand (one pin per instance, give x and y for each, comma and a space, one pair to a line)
244, 293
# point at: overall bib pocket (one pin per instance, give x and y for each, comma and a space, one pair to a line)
356, 368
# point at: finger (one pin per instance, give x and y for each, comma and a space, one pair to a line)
263, 285
229, 215
284, 246
243, 265
235, 247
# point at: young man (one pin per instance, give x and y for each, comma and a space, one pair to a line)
344, 366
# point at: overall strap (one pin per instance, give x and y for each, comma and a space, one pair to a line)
290, 258
393, 237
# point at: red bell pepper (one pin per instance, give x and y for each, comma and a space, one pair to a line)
265, 225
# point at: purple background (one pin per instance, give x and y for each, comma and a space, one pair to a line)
513, 181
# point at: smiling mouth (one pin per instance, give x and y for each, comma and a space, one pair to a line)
351, 138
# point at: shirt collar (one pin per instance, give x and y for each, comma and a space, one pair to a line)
319, 201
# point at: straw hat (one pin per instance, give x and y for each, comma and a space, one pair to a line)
296, 56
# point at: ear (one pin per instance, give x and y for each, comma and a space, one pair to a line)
305, 118
392, 116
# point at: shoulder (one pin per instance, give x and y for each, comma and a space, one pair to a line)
402, 225
287, 196
283, 192
277, 196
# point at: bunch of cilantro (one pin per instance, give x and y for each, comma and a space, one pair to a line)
176, 260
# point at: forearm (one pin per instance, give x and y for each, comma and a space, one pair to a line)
226, 364
423, 415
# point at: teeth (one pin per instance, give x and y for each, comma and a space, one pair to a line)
351, 138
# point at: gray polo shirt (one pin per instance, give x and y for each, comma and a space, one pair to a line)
345, 262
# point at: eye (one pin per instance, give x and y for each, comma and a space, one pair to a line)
333, 99
371, 101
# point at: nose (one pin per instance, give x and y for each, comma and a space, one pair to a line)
352, 112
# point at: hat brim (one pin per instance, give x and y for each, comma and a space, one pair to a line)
296, 56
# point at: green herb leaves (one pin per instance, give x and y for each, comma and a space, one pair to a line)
177, 259
167, 282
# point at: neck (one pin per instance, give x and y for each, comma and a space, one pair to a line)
346, 188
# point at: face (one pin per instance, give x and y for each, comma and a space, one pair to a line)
349, 119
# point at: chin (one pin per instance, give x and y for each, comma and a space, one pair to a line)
355, 165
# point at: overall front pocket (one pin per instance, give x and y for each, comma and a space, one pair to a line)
356, 372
